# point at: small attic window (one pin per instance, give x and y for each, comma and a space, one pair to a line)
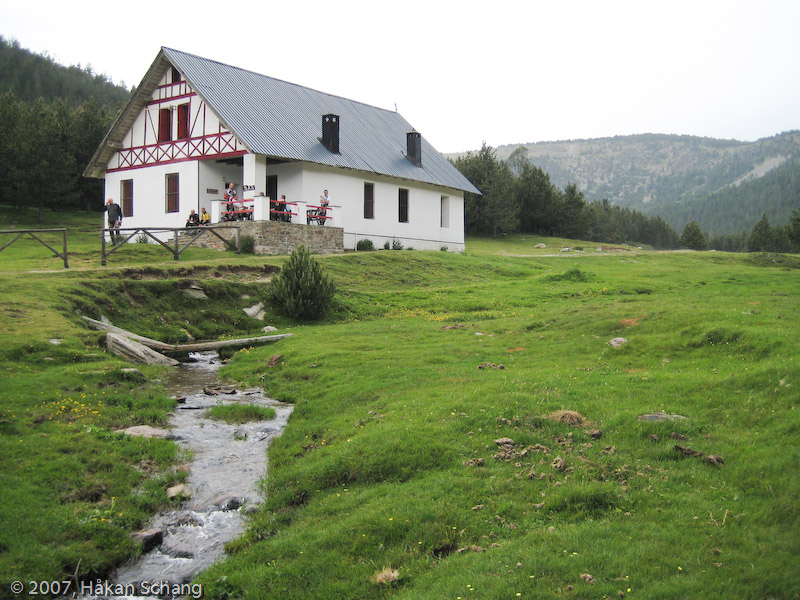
175, 75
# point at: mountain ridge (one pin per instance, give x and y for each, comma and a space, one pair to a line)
670, 175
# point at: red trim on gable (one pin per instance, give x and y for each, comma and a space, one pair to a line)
179, 160
171, 98
218, 145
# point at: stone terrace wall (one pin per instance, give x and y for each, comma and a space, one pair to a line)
273, 237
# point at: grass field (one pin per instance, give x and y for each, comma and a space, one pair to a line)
462, 427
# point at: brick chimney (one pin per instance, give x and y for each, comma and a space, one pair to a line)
330, 132
414, 148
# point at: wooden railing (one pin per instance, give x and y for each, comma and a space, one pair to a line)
31, 232
124, 235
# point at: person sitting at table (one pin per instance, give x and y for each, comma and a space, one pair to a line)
285, 216
205, 218
193, 220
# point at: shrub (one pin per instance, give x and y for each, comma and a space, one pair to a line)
301, 290
396, 244
386, 245
247, 244
365, 244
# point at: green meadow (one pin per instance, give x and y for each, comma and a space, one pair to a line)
462, 427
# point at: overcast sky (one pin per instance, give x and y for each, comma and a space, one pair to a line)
464, 73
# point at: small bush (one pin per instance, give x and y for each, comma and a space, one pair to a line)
365, 244
386, 245
247, 244
396, 244
301, 290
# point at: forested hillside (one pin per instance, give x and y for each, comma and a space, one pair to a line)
52, 118
518, 196
776, 194
32, 76
673, 176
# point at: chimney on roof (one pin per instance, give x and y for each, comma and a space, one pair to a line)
330, 132
414, 148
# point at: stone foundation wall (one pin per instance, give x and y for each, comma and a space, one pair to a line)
273, 237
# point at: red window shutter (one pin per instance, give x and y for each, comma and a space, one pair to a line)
164, 124
183, 121
127, 198
173, 195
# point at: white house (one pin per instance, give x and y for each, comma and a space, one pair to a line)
193, 125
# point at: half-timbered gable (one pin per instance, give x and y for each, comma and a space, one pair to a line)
175, 125
193, 125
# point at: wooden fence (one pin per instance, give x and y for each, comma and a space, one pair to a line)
178, 244
31, 232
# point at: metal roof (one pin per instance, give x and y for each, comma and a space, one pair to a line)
284, 120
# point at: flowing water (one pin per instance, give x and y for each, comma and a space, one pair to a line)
226, 465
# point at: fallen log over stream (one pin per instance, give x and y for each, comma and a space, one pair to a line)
132, 352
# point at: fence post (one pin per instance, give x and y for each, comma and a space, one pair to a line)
103, 247
66, 262
176, 252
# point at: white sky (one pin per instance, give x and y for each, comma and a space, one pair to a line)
463, 73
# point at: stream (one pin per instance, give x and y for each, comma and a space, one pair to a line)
226, 464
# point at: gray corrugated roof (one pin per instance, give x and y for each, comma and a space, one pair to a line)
284, 120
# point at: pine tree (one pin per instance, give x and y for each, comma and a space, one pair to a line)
693, 237
761, 236
794, 230
497, 209
302, 290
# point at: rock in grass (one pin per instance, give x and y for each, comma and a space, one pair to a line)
196, 293
146, 431
256, 311
617, 342
661, 417
178, 490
